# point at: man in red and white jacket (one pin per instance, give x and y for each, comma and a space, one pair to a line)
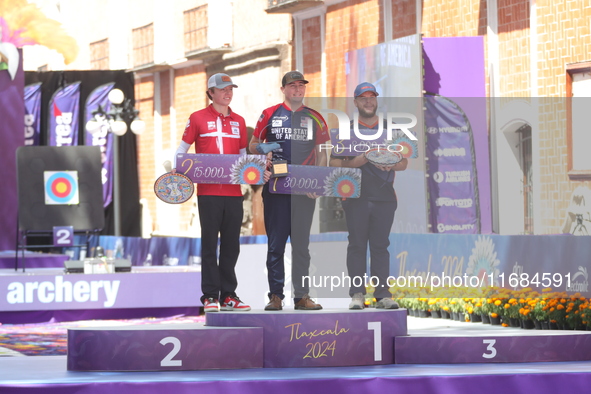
217, 129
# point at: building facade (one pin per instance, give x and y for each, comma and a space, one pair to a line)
537, 56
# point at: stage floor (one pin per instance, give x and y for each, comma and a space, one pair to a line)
48, 374
45, 372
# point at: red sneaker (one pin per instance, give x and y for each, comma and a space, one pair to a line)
211, 305
234, 304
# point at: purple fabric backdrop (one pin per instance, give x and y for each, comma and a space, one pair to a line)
454, 68
12, 112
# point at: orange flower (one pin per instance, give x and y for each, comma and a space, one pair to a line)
494, 315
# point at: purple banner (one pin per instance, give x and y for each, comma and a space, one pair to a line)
324, 181
64, 109
453, 188
98, 291
32, 114
12, 111
457, 137
226, 169
101, 137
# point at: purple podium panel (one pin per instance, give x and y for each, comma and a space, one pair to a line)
171, 347
232, 169
513, 346
321, 338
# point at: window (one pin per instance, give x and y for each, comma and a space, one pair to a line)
196, 28
578, 103
143, 45
99, 55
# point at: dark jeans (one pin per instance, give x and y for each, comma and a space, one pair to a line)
287, 216
369, 222
219, 215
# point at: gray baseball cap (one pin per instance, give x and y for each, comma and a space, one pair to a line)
220, 81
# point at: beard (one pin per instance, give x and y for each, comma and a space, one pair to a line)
367, 114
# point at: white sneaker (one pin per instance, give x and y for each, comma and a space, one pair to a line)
357, 301
232, 303
211, 305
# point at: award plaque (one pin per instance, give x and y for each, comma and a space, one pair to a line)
279, 168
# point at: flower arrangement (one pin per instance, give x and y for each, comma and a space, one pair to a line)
525, 305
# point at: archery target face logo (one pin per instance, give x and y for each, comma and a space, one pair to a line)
61, 187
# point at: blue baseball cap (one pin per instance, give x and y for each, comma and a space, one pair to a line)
365, 87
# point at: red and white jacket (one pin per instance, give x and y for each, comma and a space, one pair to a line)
212, 132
